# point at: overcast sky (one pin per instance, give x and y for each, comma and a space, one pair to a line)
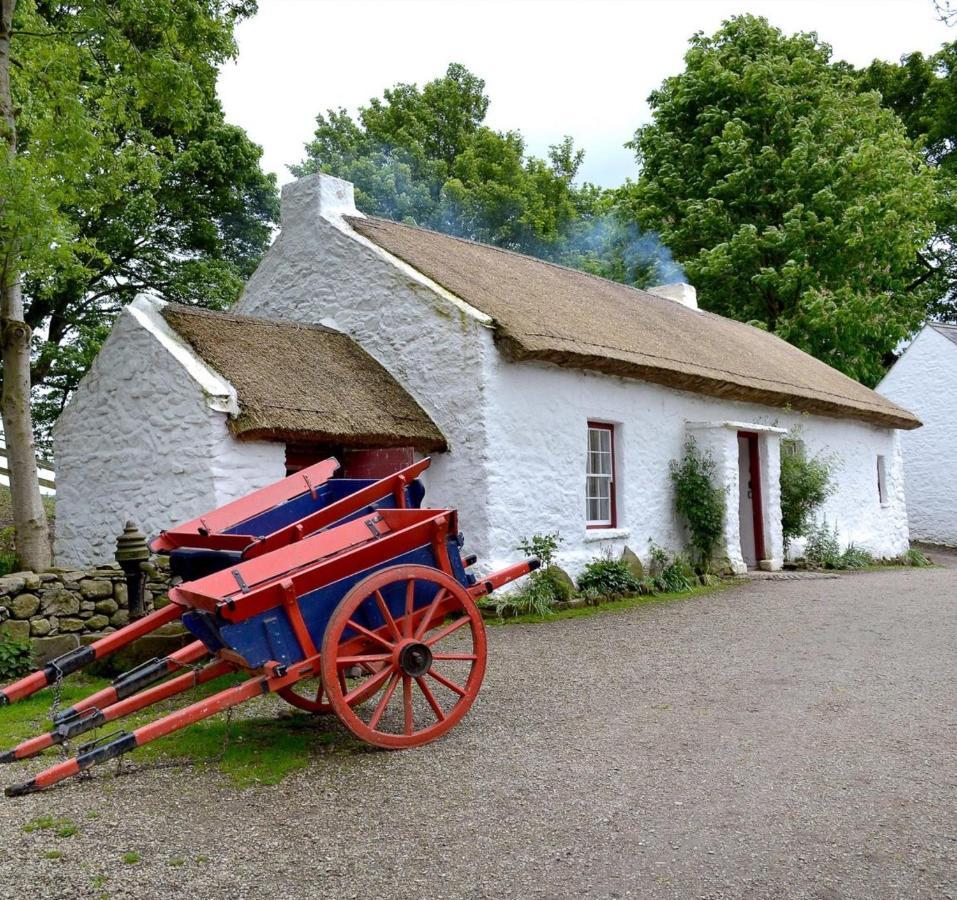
551, 67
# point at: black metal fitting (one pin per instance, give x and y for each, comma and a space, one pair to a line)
144, 674
79, 723
96, 751
68, 663
470, 560
8, 757
534, 563
4, 699
460, 540
132, 552
19, 790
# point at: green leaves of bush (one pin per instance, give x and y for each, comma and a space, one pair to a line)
699, 502
16, 656
805, 485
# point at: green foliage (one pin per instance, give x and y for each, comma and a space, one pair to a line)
16, 656
670, 575
791, 198
805, 485
608, 578
854, 557
922, 90
425, 156
131, 857
544, 546
127, 176
536, 597
914, 557
822, 550
699, 502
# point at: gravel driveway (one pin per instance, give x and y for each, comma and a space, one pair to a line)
782, 738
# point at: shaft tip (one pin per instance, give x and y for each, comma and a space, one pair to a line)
8, 757
19, 790
4, 699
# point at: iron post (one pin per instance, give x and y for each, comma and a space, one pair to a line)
132, 553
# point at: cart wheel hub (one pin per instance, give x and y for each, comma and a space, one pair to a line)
415, 659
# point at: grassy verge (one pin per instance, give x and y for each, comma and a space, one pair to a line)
615, 605
262, 747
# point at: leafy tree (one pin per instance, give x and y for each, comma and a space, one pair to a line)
426, 158
120, 174
805, 485
793, 200
922, 90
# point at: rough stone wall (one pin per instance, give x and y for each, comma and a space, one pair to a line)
924, 380
58, 608
320, 271
139, 441
537, 427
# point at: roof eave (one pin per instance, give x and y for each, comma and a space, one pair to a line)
711, 387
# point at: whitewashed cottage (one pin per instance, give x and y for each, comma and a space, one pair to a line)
550, 400
925, 380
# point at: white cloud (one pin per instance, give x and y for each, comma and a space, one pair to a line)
551, 68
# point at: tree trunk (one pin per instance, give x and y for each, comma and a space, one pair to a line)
29, 517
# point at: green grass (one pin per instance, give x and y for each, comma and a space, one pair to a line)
260, 750
615, 605
131, 857
53, 854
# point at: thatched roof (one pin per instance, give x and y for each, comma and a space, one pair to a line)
554, 314
947, 331
304, 382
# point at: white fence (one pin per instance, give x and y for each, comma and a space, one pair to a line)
47, 476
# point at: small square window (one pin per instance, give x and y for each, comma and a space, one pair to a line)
600, 476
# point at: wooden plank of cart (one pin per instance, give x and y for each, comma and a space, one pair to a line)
373, 619
279, 514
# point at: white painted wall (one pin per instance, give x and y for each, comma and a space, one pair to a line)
924, 380
537, 425
139, 441
321, 271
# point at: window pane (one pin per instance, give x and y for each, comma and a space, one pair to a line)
598, 481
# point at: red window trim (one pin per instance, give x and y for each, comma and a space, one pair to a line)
606, 426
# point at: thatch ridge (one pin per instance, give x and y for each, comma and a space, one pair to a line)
297, 382
547, 312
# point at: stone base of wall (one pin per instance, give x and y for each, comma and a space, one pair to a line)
61, 609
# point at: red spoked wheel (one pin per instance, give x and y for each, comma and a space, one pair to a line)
427, 661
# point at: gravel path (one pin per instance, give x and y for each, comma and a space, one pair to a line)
790, 738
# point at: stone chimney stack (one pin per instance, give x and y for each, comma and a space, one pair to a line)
313, 197
680, 292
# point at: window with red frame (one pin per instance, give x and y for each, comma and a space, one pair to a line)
600, 476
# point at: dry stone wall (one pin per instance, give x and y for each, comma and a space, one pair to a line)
61, 608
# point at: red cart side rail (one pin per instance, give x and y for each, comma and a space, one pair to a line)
258, 584
394, 484
232, 514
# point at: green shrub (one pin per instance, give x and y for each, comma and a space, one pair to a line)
542, 589
699, 502
535, 597
855, 558
607, 578
16, 656
805, 485
669, 576
914, 557
822, 550
544, 546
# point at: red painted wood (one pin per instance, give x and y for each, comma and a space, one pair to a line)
376, 463
252, 504
604, 426
757, 502
390, 641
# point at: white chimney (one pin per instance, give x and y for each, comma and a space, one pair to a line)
680, 292
315, 196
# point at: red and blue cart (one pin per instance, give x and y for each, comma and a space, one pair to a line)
365, 611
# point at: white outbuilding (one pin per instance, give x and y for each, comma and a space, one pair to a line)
550, 399
924, 380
